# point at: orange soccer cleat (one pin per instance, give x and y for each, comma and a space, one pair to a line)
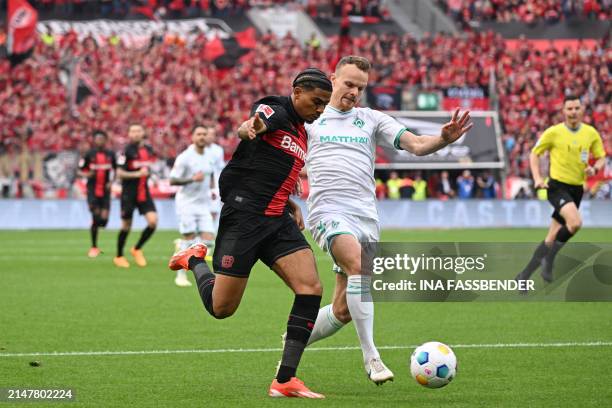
138, 257
121, 262
180, 260
294, 388
93, 252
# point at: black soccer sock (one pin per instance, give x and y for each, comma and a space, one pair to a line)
123, 234
144, 237
301, 321
563, 235
560, 239
534, 263
93, 230
556, 247
205, 280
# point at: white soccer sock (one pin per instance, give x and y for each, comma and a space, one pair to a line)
186, 243
325, 325
210, 243
181, 273
362, 313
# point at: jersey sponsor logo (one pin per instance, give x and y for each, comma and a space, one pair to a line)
345, 139
293, 147
266, 110
227, 261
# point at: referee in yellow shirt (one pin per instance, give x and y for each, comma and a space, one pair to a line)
569, 144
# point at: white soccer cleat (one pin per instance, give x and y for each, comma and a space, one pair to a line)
181, 280
378, 372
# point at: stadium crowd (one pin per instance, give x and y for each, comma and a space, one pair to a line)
167, 86
199, 8
527, 11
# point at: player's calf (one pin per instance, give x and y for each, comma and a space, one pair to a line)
192, 258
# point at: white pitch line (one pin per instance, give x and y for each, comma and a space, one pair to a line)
269, 350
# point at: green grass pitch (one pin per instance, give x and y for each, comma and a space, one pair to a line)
54, 299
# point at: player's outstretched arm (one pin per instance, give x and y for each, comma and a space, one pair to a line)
251, 128
451, 131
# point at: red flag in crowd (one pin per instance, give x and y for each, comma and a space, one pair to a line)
80, 86
146, 8
22, 19
226, 53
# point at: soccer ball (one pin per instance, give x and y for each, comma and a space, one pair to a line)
433, 364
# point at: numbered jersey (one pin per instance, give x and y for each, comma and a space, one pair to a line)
340, 160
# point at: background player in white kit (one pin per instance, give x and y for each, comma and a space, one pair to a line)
217, 154
342, 201
193, 170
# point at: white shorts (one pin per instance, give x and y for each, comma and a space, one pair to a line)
215, 205
325, 227
196, 223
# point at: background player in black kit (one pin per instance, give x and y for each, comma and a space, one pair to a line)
134, 172
97, 165
258, 221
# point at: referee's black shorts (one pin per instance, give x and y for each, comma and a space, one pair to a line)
560, 194
246, 237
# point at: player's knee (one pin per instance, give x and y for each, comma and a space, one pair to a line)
223, 311
317, 288
312, 288
152, 225
308, 288
574, 225
341, 312
352, 267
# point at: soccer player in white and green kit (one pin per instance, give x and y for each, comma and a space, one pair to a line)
342, 202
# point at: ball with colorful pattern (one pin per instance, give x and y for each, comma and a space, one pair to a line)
433, 364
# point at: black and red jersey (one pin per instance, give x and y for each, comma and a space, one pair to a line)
100, 163
263, 172
135, 157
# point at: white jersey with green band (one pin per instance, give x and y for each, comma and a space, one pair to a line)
340, 160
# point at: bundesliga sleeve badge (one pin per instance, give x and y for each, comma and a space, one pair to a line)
266, 110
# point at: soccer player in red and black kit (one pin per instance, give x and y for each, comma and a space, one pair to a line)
97, 165
259, 221
134, 172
